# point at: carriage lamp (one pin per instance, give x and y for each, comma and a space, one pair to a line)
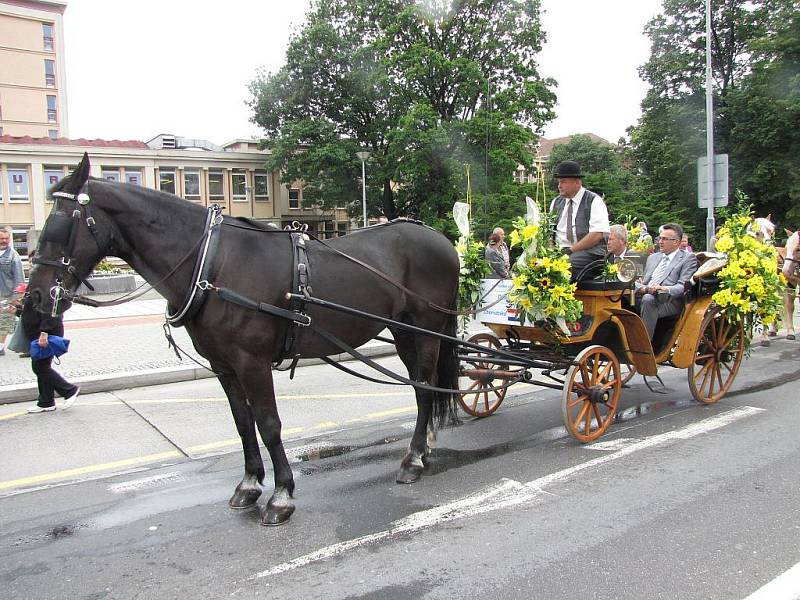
626, 270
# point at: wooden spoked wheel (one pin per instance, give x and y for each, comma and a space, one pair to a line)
718, 354
592, 389
483, 376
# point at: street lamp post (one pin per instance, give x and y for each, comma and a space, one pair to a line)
363, 156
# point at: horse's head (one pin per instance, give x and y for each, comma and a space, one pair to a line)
70, 244
762, 229
791, 262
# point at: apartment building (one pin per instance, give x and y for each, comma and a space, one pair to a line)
231, 175
33, 94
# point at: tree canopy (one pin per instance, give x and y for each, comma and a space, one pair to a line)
426, 87
756, 116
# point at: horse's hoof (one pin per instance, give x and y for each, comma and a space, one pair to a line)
244, 498
276, 515
409, 474
765, 343
790, 336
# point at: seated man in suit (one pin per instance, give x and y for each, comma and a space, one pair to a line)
666, 276
617, 243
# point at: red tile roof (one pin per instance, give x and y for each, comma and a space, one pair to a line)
46, 141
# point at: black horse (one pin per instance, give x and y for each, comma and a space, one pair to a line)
160, 236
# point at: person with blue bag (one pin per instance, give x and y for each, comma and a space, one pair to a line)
46, 336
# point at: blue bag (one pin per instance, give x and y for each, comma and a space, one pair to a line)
56, 346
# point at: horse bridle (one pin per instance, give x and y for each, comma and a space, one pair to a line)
62, 231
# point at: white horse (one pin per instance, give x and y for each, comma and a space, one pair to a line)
790, 270
763, 229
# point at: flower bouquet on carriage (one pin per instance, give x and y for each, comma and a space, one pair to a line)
473, 268
542, 292
749, 286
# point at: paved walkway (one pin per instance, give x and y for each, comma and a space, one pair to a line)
115, 348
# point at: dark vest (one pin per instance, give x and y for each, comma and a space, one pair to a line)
584, 212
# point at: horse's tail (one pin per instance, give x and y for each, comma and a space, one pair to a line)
445, 404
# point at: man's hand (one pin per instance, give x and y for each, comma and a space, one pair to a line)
42, 341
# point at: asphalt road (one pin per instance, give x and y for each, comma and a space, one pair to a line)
126, 495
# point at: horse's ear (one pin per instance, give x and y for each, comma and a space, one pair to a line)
789, 232
80, 174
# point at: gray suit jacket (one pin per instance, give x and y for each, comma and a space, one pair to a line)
681, 268
495, 259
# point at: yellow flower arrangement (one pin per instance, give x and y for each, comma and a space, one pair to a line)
541, 276
749, 285
638, 240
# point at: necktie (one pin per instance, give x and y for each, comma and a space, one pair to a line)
570, 230
661, 271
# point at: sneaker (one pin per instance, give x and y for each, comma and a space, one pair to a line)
40, 409
2, 351
71, 399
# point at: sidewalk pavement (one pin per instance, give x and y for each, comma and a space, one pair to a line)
121, 347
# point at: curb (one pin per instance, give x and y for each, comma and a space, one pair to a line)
92, 384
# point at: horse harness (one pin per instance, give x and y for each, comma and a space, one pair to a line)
62, 230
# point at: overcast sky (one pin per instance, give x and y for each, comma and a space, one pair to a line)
183, 66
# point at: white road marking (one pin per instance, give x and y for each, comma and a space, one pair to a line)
145, 482
612, 444
506, 493
783, 587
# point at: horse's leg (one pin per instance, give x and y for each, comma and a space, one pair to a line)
788, 312
257, 382
419, 354
249, 489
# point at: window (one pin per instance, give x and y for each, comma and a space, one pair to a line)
52, 134
341, 228
191, 185
49, 72
239, 187
262, 186
47, 35
133, 176
216, 185
52, 175
166, 180
18, 185
52, 115
19, 233
294, 198
110, 174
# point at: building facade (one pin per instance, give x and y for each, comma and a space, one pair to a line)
232, 175
33, 94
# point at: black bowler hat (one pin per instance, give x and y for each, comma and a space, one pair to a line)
568, 168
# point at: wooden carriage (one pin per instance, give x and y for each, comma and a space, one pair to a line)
602, 351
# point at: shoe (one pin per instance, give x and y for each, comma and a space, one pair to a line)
71, 400
40, 409
2, 351
24, 355
772, 333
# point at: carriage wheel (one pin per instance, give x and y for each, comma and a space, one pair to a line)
478, 374
626, 372
718, 354
592, 389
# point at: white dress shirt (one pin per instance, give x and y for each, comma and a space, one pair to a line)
598, 218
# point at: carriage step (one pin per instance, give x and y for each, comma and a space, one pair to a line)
657, 389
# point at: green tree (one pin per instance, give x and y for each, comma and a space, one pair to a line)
605, 173
427, 87
670, 135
